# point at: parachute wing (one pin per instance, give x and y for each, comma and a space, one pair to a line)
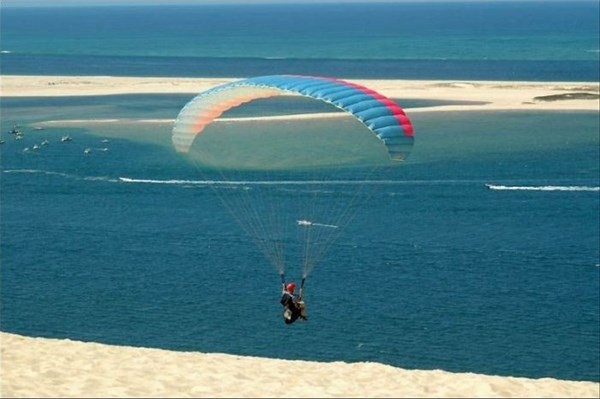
380, 114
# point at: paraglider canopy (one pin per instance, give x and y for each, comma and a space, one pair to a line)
382, 116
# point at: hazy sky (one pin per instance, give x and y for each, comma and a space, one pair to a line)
33, 3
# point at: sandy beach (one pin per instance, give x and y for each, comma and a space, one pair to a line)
485, 95
40, 367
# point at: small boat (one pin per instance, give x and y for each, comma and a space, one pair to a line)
87, 150
103, 149
66, 138
35, 147
19, 137
26, 149
45, 142
105, 141
15, 130
2, 141
38, 128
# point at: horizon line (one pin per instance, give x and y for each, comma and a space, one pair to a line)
150, 3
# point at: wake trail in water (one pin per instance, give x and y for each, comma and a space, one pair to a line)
542, 188
255, 182
291, 182
60, 174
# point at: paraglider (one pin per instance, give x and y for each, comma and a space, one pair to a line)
293, 304
280, 185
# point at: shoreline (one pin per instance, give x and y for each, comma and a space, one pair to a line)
48, 367
489, 95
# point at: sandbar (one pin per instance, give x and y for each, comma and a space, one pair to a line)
485, 95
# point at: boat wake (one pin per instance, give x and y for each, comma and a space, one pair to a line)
296, 182
542, 188
251, 182
60, 174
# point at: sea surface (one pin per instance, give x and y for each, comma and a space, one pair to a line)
463, 40
478, 254
436, 270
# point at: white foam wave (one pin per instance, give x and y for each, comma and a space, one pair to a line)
37, 171
543, 188
100, 178
266, 182
61, 174
173, 181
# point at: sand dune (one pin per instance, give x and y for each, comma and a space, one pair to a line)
41, 367
493, 95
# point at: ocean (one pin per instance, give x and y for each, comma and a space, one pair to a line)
479, 254
462, 40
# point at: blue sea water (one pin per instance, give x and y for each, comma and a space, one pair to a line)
436, 270
487, 40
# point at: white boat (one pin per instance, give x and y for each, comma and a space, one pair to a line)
87, 150
105, 141
308, 223
19, 137
66, 138
35, 147
45, 142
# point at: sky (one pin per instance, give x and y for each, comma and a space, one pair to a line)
58, 3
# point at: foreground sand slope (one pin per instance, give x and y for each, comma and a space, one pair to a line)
491, 95
40, 367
